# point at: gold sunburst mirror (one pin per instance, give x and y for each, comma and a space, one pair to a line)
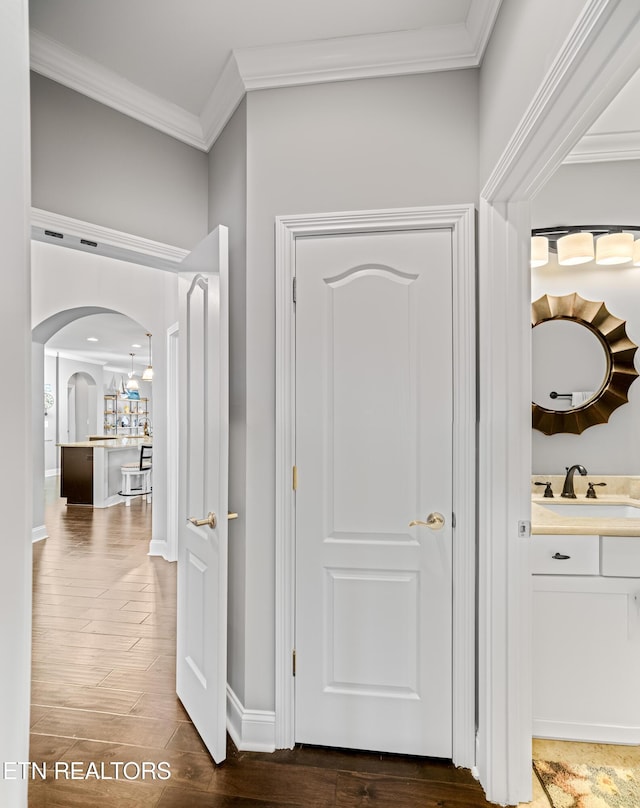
595, 356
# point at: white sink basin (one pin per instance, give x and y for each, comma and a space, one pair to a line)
595, 509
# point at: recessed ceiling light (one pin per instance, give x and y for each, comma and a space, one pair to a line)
135, 345
92, 339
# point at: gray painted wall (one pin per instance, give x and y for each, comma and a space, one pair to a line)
591, 194
379, 143
526, 38
95, 164
228, 206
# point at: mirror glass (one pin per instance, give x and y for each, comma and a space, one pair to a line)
568, 359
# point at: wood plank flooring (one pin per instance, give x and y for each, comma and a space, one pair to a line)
103, 693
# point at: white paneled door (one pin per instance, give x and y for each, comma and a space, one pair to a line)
373, 454
204, 458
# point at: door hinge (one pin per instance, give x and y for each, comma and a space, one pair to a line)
294, 480
293, 662
294, 290
453, 520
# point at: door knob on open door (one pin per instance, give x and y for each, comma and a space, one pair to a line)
210, 520
435, 521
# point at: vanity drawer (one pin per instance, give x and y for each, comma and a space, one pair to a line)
620, 556
565, 555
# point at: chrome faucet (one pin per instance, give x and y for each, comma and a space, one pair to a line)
567, 490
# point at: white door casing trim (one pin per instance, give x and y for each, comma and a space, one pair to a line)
596, 60
460, 220
173, 447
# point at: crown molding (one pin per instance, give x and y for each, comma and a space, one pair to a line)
599, 23
229, 91
480, 21
606, 147
423, 50
85, 76
111, 243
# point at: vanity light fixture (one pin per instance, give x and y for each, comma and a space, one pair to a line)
575, 248
147, 375
132, 383
608, 245
539, 251
614, 248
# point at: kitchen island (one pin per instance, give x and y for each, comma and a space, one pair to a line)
90, 470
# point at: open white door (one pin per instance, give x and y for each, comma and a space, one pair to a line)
203, 471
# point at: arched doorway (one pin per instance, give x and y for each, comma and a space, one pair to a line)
78, 353
82, 420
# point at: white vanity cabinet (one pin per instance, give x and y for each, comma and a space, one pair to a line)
586, 638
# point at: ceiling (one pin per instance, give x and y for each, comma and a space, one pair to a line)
117, 337
178, 50
183, 67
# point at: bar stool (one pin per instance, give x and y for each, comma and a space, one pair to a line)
136, 477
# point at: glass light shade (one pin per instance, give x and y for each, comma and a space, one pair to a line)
539, 251
132, 384
147, 374
575, 248
614, 248
636, 253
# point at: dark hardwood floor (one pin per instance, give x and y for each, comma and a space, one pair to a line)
103, 695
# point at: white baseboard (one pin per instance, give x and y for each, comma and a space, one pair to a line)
159, 547
39, 533
250, 730
52, 473
590, 733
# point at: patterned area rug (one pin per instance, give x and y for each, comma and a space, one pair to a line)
576, 785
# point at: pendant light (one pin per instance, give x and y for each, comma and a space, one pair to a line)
147, 375
132, 384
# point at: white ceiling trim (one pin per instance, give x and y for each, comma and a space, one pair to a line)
424, 50
56, 62
606, 147
222, 103
111, 243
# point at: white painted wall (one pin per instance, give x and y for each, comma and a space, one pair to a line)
591, 194
51, 452
346, 146
15, 422
97, 165
79, 410
67, 279
228, 206
525, 39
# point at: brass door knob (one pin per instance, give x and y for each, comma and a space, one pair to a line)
435, 521
210, 520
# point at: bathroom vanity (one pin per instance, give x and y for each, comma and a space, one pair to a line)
585, 560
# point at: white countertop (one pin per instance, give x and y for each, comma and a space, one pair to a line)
109, 443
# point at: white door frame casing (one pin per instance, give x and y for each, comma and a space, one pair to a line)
173, 420
460, 220
594, 63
